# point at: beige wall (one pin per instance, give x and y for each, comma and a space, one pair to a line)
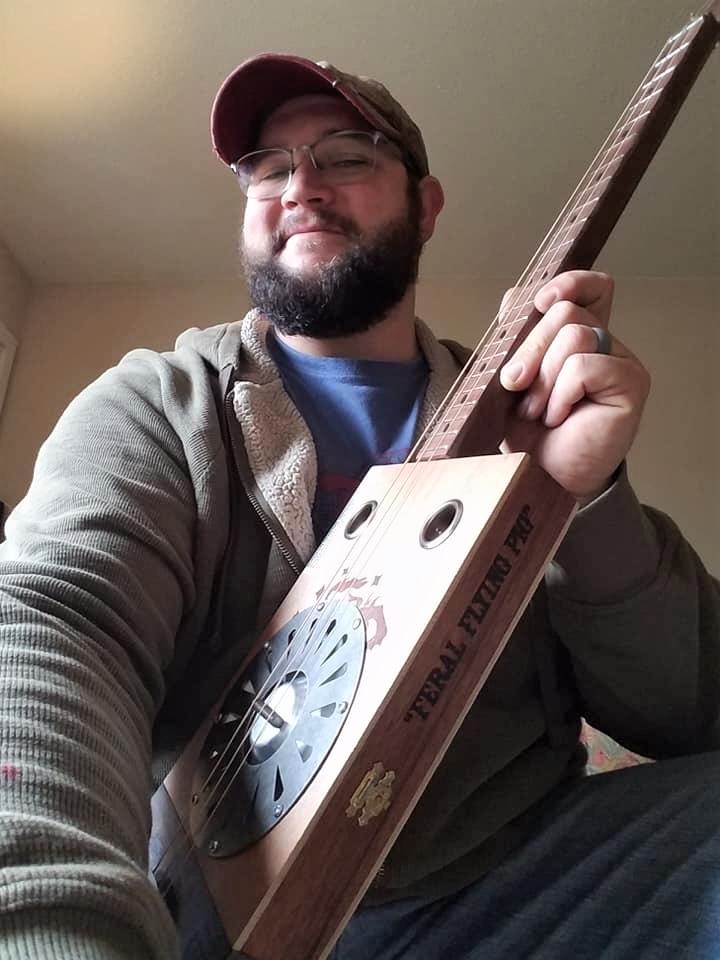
14, 292
675, 464
72, 334
673, 325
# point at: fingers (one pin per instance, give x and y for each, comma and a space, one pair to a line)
565, 329
571, 340
589, 391
572, 368
618, 382
586, 288
577, 298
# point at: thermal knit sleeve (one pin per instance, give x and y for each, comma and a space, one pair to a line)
640, 616
96, 576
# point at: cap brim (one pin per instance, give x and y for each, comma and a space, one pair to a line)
254, 90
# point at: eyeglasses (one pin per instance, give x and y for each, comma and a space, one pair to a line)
349, 156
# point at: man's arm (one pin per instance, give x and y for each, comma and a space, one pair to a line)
640, 616
95, 577
628, 597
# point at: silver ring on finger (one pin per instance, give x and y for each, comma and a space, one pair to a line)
604, 340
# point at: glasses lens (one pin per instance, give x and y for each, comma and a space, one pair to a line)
264, 173
339, 158
344, 157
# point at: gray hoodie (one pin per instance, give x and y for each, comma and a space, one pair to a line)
106, 580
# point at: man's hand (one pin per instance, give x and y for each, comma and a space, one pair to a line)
590, 403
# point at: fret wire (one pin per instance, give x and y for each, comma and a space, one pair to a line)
672, 54
634, 102
604, 156
655, 95
464, 408
479, 385
607, 165
469, 398
507, 321
607, 162
685, 29
488, 358
556, 248
668, 62
461, 409
660, 76
569, 225
509, 335
482, 374
622, 139
480, 380
628, 119
634, 120
458, 418
504, 345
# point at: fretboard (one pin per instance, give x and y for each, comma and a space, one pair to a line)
472, 418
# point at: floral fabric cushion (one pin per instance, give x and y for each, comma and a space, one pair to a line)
606, 754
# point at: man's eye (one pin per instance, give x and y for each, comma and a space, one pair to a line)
263, 176
350, 161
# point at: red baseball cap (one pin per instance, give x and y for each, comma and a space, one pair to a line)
259, 85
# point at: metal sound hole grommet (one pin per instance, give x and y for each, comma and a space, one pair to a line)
276, 727
441, 524
360, 519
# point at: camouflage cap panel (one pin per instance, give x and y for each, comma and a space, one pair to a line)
381, 108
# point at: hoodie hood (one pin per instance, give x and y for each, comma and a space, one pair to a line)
280, 449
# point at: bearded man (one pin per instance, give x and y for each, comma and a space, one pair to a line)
154, 543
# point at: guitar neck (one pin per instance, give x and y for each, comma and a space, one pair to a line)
472, 419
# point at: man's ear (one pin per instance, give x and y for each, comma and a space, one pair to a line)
432, 200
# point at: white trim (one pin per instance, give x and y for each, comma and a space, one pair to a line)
8, 346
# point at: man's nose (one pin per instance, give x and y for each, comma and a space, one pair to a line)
307, 185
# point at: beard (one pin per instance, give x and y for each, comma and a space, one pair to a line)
351, 293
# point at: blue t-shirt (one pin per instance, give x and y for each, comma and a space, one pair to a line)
360, 412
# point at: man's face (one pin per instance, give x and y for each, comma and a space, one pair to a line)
326, 260
312, 222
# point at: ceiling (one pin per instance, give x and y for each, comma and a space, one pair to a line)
108, 175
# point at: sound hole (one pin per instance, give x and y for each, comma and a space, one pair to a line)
276, 717
441, 524
361, 518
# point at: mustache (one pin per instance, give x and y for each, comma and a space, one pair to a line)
323, 220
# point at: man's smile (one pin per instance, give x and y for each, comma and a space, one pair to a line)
312, 233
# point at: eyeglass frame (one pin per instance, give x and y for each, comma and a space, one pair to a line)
308, 148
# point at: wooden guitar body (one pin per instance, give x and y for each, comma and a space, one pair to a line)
434, 583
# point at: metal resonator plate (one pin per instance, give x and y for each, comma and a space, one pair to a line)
276, 727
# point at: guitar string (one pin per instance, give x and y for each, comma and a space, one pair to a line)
287, 667
634, 120
607, 161
460, 379
365, 544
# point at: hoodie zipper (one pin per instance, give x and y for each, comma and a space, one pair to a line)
271, 524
